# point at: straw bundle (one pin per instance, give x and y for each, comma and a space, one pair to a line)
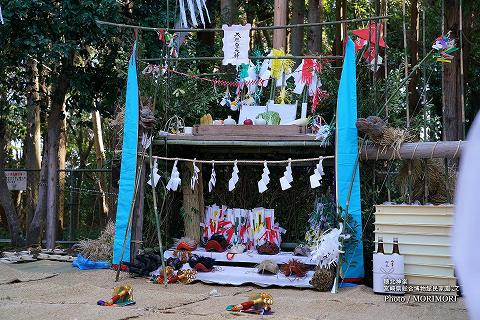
101, 248
429, 173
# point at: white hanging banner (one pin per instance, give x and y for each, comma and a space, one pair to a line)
236, 44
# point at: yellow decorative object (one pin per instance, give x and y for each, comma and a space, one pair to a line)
279, 65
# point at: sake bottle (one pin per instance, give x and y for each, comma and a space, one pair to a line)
380, 245
395, 246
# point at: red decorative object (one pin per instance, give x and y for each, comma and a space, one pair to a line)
248, 122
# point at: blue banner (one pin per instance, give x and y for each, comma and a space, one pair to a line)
346, 153
128, 163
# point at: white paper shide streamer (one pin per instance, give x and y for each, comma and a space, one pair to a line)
316, 177
195, 8
234, 179
265, 180
287, 179
175, 180
156, 176
194, 179
213, 179
326, 251
146, 141
236, 44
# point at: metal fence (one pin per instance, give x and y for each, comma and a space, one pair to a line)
86, 201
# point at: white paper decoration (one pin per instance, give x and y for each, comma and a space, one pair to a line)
316, 177
265, 180
234, 179
156, 176
287, 177
175, 180
213, 179
194, 179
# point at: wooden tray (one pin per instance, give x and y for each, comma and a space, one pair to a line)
253, 130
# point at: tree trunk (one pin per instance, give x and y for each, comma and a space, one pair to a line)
298, 16
6, 201
36, 225
413, 38
53, 137
62, 155
280, 19
192, 202
314, 36
228, 11
453, 113
100, 153
32, 143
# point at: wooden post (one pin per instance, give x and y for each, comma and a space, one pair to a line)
279, 19
192, 202
453, 113
137, 222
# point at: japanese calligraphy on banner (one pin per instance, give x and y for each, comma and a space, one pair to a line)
16, 180
236, 42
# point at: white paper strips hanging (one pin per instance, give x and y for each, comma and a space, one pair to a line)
326, 251
146, 141
156, 176
236, 42
234, 179
287, 177
213, 179
194, 179
195, 7
175, 180
317, 175
1, 16
263, 182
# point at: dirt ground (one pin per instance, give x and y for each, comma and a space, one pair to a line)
73, 294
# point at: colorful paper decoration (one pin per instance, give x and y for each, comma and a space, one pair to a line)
234, 179
368, 37
444, 47
194, 179
213, 179
236, 44
175, 180
251, 228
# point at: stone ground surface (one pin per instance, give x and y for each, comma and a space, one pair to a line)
72, 294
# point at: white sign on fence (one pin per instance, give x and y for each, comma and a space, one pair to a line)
236, 43
16, 180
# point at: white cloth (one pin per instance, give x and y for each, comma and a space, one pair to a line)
236, 44
467, 221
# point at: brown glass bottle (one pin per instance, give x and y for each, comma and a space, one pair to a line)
380, 245
395, 246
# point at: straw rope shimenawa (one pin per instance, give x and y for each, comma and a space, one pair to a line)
256, 162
